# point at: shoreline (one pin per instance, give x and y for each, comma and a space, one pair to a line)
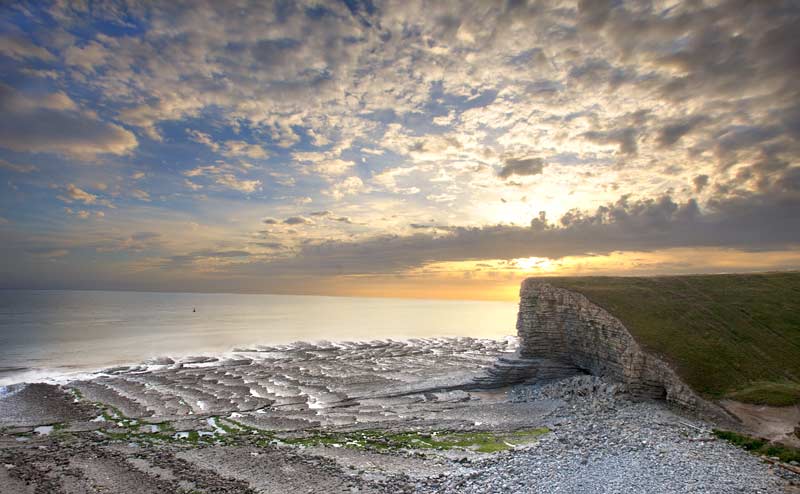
378, 417
58, 377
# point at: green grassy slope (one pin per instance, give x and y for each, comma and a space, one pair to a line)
726, 335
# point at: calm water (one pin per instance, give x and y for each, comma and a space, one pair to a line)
52, 333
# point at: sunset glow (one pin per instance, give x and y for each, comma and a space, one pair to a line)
411, 149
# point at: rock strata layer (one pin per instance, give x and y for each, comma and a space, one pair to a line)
563, 333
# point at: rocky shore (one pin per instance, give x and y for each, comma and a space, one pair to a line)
382, 417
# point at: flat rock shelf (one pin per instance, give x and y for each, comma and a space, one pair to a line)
383, 417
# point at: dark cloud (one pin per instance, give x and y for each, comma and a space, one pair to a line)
522, 166
674, 131
733, 139
325, 214
270, 221
297, 220
700, 182
17, 46
52, 124
136, 242
624, 137
593, 14
143, 236
271, 245
725, 49
271, 53
594, 72
745, 221
183, 259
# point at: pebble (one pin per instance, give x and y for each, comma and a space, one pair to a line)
625, 447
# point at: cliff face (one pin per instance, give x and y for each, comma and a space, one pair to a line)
561, 333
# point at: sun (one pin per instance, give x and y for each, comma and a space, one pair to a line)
533, 264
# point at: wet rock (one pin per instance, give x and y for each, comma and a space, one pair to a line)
41, 404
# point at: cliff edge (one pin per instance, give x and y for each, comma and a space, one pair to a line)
563, 333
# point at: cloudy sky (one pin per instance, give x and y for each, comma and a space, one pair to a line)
430, 149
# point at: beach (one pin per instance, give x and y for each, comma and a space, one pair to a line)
383, 416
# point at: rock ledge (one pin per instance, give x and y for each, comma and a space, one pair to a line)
563, 333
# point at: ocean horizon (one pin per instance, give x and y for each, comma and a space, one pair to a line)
53, 335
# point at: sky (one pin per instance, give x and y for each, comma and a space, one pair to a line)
402, 148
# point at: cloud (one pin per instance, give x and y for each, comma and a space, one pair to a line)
523, 167
35, 125
409, 111
229, 148
135, 242
349, 186
594, 13
88, 57
270, 221
75, 193
243, 149
700, 182
14, 167
389, 177
202, 138
222, 175
672, 133
297, 220
625, 225
330, 216
625, 138
441, 197
332, 167
326, 163
271, 245
181, 260
141, 195
283, 179
48, 252
191, 185
230, 181
203, 170
594, 72
20, 48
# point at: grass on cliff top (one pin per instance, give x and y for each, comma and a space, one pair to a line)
732, 335
775, 394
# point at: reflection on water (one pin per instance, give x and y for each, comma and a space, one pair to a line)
54, 332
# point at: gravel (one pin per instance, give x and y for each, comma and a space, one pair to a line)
603, 443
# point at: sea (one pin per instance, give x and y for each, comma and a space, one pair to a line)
57, 335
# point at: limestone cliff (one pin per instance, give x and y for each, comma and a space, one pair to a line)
562, 333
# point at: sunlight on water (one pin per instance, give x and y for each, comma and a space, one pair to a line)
45, 333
